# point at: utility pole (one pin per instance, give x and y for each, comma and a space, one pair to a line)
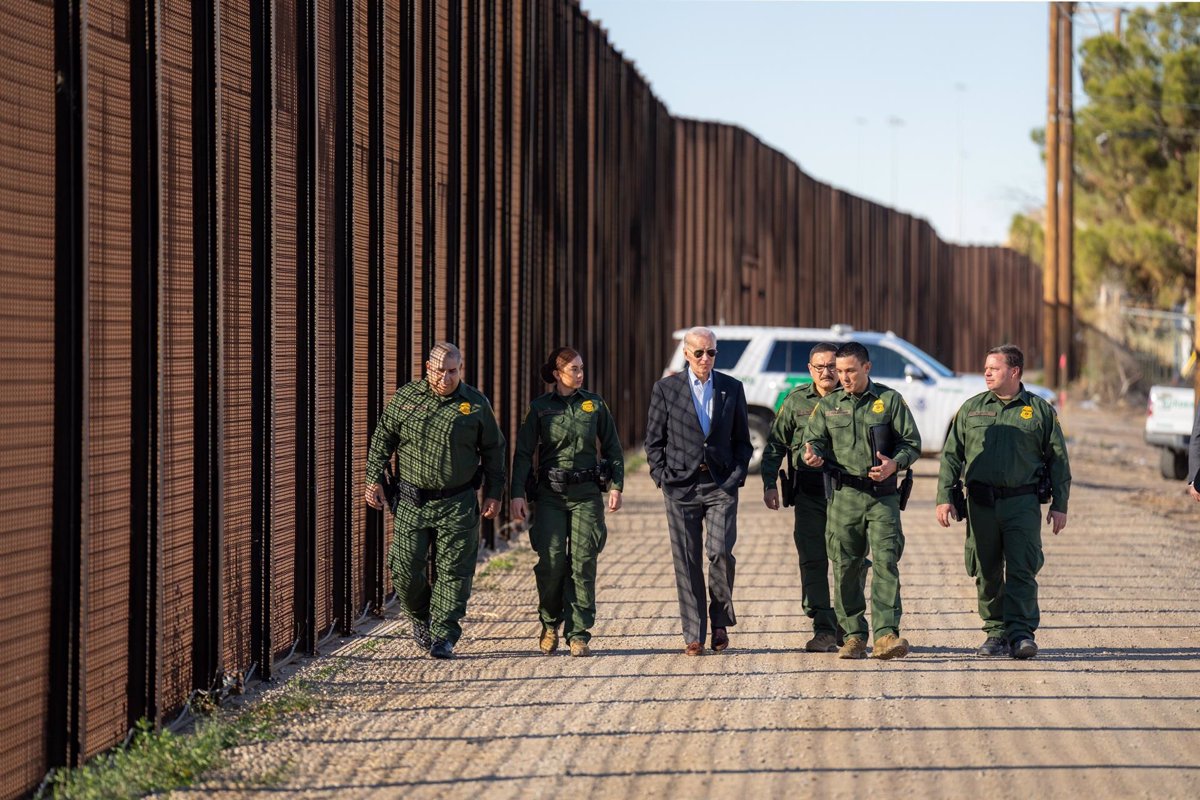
1050, 223
1066, 208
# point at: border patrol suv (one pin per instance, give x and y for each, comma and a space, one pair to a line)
771, 361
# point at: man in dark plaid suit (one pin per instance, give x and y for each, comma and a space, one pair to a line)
698, 447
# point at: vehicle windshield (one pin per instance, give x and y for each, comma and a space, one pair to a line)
729, 353
938, 367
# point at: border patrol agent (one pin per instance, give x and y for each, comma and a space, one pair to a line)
1005, 442
568, 530
441, 430
864, 513
806, 494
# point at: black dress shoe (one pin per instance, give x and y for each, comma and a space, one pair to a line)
720, 639
1024, 648
442, 649
994, 646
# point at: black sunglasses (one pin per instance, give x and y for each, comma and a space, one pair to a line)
703, 353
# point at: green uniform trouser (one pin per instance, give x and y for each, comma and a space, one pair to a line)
453, 526
859, 522
1004, 554
809, 535
566, 577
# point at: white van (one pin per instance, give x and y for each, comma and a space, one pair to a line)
771, 361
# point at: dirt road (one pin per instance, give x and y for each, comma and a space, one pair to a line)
1111, 706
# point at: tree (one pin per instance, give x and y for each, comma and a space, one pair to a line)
1136, 143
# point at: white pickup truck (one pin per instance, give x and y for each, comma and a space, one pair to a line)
1169, 417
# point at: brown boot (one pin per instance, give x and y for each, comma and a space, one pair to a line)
822, 643
580, 648
548, 641
853, 648
890, 646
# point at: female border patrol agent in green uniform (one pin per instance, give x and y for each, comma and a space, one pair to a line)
1008, 446
865, 510
568, 530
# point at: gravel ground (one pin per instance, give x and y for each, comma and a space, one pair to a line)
1110, 707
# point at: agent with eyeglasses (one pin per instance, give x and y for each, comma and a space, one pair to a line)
578, 458
698, 447
806, 494
445, 436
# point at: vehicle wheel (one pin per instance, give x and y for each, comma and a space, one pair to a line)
760, 429
1172, 464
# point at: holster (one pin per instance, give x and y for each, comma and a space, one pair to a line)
906, 487
1045, 489
958, 500
832, 478
787, 489
391, 491
604, 473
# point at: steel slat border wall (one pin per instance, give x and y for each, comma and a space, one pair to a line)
285, 325
491, 171
27, 271
363, 362
327, 611
177, 449
868, 263
109, 353
235, 336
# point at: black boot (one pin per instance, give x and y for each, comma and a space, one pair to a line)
994, 646
1024, 648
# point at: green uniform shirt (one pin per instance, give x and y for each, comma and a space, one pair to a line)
564, 430
839, 423
787, 432
1004, 444
439, 441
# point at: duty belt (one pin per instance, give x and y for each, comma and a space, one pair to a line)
557, 475
881, 489
987, 495
416, 496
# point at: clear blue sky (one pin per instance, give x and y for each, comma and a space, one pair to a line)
820, 80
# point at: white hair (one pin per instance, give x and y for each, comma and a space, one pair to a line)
700, 332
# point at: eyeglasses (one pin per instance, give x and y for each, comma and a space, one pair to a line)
699, 354
823, 367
